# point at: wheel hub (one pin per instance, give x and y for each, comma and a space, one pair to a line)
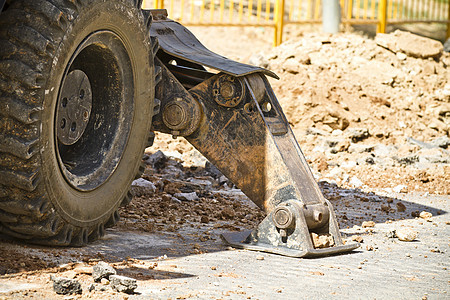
74, 108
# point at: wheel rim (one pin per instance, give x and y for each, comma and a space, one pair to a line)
94, 112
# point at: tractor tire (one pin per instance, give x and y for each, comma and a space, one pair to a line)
77, 95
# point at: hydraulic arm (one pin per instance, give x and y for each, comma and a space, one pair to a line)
234, 119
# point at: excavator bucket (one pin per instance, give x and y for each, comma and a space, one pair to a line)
229, 113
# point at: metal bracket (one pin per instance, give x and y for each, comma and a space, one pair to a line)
286, 231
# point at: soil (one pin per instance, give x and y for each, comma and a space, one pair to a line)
369, 120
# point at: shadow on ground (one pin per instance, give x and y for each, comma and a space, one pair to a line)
352, 207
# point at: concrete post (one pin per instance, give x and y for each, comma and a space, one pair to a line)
331, 16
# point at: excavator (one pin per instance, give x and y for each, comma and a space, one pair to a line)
85, 84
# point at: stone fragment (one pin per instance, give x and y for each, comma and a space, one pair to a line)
123, 284
83, 270
401, 188
212, 170
357, 238
157, 160
406, 234
355, 182
410, 44
400, 207
186, 196
367, 224
259, 60
425, 215
447, 45
322, 240
104, 281
142, 187
357, 134
102, 270
65, 286
442, 142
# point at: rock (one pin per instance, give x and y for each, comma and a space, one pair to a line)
357, 238
259, 60
442, 142
360, 148
291, 66
401, 56
157, 160
102, 270
419, 143
203, 183
355, 182
212, 170
228, 212
223, 180
65, 286
406, 234
104, 281
315, 131
400, 207
425, 215
322, 241
447, 45
407, 160
368, 224
357, 134
381, 150
83, 270
123, 284
186, 196
410, 44
433, 155
401, 188
141, 187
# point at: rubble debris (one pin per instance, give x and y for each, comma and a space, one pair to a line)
406, 234
66, 286
102, 270
123, 284
186, 196
368, 224
410, 44
400, 207
157, 160
322, 240
425, 215
142, 187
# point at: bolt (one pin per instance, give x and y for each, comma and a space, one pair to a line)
283, 217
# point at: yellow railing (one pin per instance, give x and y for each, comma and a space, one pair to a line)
278, 13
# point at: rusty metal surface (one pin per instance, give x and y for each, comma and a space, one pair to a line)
178, 41
236, 122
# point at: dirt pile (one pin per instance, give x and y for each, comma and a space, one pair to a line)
379, 105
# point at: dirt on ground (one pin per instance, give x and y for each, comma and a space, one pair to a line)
372, 117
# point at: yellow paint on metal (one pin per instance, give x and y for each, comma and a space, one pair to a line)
358, 5
291, 9
222, 9
350, 10
366, 5
317, 10
231, 10
373, 2
211, 10
382, 7
241, 9
202, 10
308, 10
267, 10
250, 9
258, 10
